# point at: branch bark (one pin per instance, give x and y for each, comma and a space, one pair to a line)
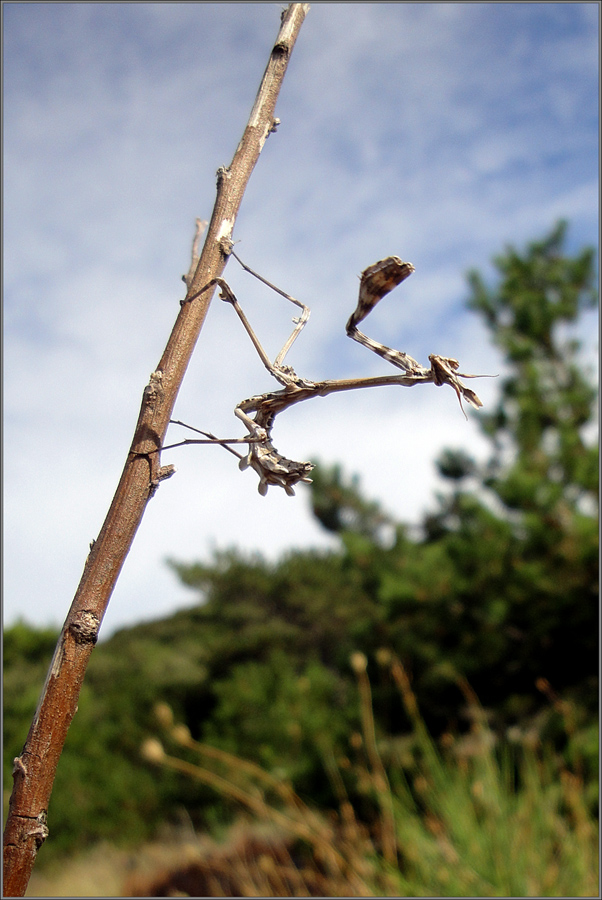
34, 770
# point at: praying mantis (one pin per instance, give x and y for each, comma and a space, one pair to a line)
258, 413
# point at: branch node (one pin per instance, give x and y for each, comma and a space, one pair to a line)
222, 173
39, 830
162, 473
89, 556
84, 628
154, 388
226, 244
19, 767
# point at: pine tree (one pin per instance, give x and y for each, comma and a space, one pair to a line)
503, 588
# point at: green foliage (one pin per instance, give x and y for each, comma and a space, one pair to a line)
339, 506
284, 720
546, 400
542, 477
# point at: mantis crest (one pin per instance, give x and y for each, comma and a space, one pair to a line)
258, 413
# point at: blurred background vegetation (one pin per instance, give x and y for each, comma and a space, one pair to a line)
495, 598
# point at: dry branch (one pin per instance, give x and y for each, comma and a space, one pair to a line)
35, 768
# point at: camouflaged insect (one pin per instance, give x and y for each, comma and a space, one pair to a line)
258, 413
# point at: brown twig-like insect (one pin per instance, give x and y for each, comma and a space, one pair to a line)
258, 413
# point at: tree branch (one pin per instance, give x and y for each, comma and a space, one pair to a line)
35, 769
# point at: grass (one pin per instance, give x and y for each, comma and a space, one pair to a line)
466, 818
463, 817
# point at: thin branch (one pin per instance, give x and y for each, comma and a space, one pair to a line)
35, 768
200, 226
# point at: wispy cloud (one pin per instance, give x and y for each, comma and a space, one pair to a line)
438, 132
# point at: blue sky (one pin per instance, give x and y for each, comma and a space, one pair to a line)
436, 132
